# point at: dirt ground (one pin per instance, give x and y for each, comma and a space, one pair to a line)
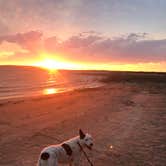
126, 120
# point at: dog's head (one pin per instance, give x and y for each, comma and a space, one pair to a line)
86, 139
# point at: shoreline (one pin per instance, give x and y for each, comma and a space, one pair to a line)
15, 100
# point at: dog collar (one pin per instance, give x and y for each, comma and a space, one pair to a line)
67, 148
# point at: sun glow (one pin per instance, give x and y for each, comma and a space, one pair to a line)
52, 65
48, 64
55, 62
49, 91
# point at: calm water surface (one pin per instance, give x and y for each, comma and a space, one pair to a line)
30, 81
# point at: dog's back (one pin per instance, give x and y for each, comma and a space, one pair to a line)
52, 155
67, 152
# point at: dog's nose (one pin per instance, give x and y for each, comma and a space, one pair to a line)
91, 144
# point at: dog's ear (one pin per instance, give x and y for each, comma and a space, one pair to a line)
82, 135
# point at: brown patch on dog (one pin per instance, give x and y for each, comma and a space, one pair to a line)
67, 149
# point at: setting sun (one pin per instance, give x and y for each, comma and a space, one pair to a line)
48, 64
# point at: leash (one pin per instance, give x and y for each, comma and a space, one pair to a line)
85, 154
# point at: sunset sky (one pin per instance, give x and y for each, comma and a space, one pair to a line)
84, 34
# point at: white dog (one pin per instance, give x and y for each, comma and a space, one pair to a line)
68, 152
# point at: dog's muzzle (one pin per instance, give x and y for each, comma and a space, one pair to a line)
90, 146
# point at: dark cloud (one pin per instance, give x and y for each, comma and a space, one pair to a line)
31, 41
91, 46
137, 36
132, 48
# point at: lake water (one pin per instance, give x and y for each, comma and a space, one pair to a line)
19, 81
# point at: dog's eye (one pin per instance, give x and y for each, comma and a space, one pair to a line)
86, 139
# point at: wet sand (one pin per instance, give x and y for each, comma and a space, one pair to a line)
126, 120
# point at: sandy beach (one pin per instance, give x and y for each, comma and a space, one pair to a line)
126, 120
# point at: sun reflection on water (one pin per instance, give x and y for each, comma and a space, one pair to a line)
49, 91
